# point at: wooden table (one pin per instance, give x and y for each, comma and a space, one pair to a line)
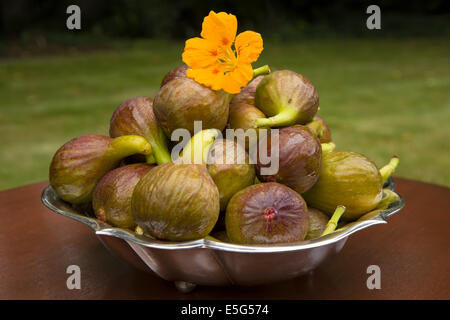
412, 250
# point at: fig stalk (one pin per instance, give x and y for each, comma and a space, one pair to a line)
197, 149
327, 147
389, 169
282, 119
123, 146
261, 71
331, 225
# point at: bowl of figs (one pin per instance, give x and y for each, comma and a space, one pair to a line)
203, 187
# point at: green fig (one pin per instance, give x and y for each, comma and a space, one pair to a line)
111, 199
247, 94
229, 166
349, 179
320, 129
299, 158
178, 72
80, 163
135, 117
266, 213
176, 202
182, 101
317, 223
287, 98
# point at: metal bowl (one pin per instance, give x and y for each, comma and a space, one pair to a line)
209, 261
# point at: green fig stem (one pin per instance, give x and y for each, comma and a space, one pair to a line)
332, 223
197, 149
128, 145
285, 118
261, 71
161, 153
327, 147
388, 169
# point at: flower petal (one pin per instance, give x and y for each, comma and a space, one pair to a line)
248, 45
199, 53
211, 77
233, 81
220, 28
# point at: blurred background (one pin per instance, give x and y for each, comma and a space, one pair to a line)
382, 92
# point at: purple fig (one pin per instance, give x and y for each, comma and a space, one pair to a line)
111, 199
286, 98
247, 94
182, 101
178, 72
135, 117
299, 158
320, 129
266, 213
229, 167
177, 202
80, 163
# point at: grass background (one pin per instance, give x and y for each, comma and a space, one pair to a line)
379, 97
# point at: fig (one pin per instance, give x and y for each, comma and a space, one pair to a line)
182, 101
176, 202
111, 198
349, 179
299, 158
286, 98
135, 117
80, 163
243, 116
247, 94
320, 129
266, 213
178, 72
317, 223
229, 166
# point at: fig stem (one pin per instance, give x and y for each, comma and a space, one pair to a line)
128, 145
389, 169
161, 154
261, 71
327, 147
197, 149
285, 118
332, 223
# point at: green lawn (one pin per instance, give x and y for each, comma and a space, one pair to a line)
380, 98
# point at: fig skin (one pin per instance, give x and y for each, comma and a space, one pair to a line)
79, 164
287, 98
247, 94
136, 117
229, 176
317, 223
243, 116
178, 72
111, 199
320, 129
349, 179
176, 202
266, 213
300, 158
182, 101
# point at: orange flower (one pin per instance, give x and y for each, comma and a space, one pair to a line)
219, 59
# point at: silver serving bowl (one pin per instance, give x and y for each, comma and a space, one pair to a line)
209, 261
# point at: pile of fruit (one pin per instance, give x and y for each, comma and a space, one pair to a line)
131, 180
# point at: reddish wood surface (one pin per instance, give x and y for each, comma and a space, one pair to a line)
412, 250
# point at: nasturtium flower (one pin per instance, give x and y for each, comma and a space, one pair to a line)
220, 59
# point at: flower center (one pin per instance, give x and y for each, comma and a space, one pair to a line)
228, 59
